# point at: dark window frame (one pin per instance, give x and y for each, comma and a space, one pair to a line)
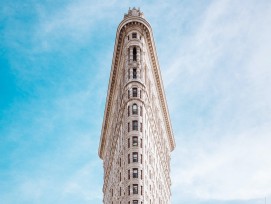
134, 73
134, 90
134, 35
135, 188
135, 157
134, 109
135, 172
134, 54
135, 141
134, 125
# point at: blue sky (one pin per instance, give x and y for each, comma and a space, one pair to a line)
55, 60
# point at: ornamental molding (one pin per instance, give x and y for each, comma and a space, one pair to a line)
131, 21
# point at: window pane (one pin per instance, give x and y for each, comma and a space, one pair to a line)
135, 173
134, 73
135, 109
135, 189
135, 125
135, 141
133, 35
134, 54
135, 157
134, 92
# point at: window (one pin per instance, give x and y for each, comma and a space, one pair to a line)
135, 141
135, 157
134, 35
135, 125
128, 190
134, 109
134, 73
128, 110
140, 94
135, 172
135, 201
128, 142
135, 188
128, 158
134, 54
141, 111
141, 144
141, 159
120, 176
141, 190
141, 127
128, 127
128, 93
128, 174
141, 174
134, 92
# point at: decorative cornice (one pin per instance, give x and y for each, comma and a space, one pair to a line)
132, 20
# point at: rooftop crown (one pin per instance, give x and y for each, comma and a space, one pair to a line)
134, 12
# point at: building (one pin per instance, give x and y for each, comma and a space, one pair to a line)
136, 137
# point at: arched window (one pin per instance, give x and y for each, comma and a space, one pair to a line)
134, 54
134, 109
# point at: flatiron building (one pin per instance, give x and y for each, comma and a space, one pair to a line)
136, 138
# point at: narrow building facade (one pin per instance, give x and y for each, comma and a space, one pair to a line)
136, 138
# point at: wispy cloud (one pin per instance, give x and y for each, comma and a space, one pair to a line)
222, 113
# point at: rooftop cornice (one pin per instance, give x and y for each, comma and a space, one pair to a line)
132, 20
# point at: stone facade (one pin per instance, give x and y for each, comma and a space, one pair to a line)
137, 138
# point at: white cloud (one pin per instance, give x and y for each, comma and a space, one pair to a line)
76, 21
228, 167
218, 88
